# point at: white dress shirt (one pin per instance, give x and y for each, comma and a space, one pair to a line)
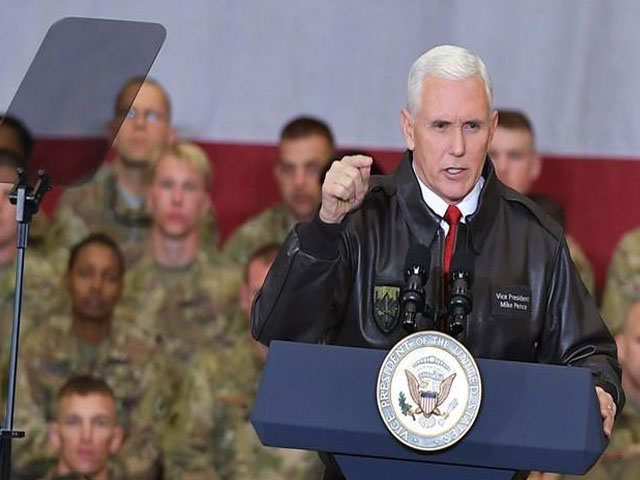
467, 205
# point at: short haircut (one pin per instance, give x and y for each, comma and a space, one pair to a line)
266, 254
302, 127
137, 82
190, 153
9, 158
97, 238
449, 62
22, 132
84, 385
514, 120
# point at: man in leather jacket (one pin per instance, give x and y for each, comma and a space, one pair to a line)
324, 284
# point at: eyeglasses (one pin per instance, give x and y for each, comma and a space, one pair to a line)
150, 116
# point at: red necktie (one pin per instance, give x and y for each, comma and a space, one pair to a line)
452, 217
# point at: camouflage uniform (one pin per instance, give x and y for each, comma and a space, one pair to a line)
184, 308
98, 206
623, 280
621, 459
212, 422
127, 360
270, 226
114, 473
42, 293
582, 264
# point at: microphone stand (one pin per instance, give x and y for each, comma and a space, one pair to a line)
27, 200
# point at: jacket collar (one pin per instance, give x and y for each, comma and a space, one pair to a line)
424, 222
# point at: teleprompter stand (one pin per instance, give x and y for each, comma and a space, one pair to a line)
27, 201
68, 93
533, 417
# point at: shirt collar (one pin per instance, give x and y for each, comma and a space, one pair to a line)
467, 205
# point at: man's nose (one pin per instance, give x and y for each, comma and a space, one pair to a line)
140, 120
177, 195
458, 146
299, 177
86, 432
96, 282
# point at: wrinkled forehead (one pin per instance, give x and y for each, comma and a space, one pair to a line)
465, 97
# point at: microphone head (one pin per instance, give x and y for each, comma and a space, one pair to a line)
418, 260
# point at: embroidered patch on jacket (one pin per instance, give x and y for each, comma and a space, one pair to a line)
511, 301
386, 309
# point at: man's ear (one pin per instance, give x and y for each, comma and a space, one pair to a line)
112, 129
116, 440
172, 135
53, 431
493, 125
276, 172
406, 120
206, 206
536, 167
244, 296
148, 202
67, 281
622, 351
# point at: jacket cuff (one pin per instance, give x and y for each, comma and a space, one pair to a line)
320, 239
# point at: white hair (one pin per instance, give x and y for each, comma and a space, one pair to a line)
449, 62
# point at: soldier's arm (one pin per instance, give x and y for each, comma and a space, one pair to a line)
623, 274
204, 423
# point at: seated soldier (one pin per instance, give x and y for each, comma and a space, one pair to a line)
181, 293
621, 459
623, 280
113, 201
214, 437
518, 165
306, 147
84, 431
39, 292
91, 340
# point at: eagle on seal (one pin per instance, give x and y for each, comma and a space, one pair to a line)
428, 394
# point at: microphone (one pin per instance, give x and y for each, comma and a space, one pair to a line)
460, 297
412, 294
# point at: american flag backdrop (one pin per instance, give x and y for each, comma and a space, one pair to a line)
238, 70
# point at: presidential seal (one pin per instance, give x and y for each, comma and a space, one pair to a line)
429, 391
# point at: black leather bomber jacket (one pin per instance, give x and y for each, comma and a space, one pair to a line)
529, 303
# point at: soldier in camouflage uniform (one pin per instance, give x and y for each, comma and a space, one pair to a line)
623, 280
181, 293
85, 431
621, 459
40, 290
518, 166
213, 437
92, 340
306, 146
113, 201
